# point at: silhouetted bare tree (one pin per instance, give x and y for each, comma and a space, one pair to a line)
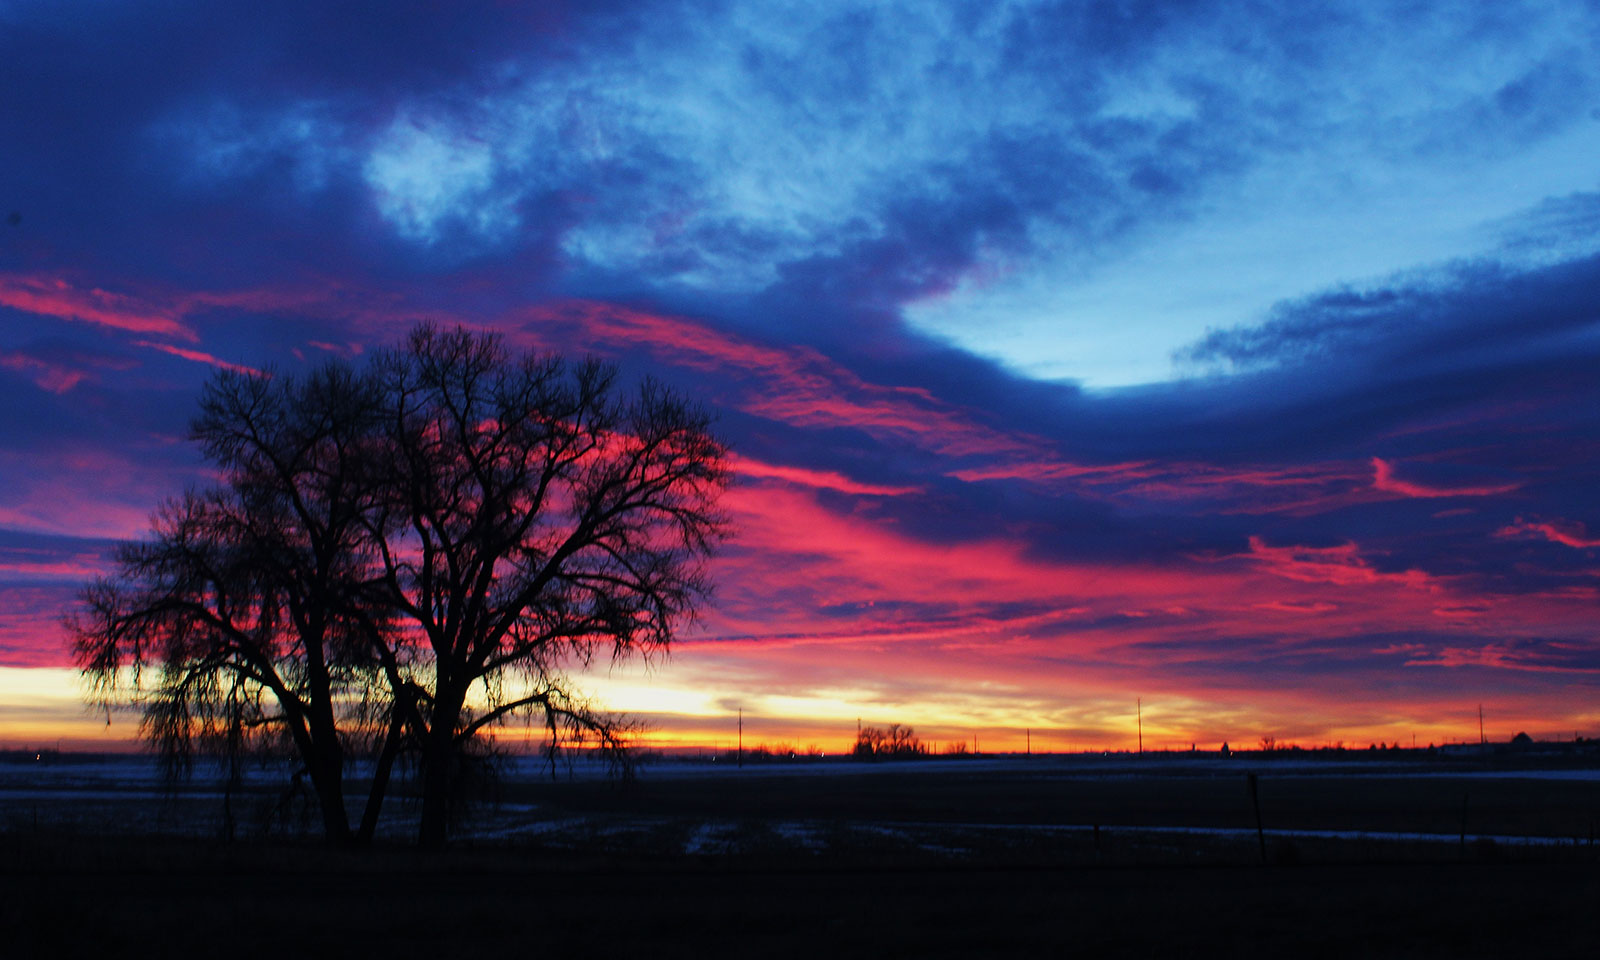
246, 601
403, 556
532, 515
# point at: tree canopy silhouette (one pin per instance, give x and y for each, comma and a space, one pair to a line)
404, 555
893, 741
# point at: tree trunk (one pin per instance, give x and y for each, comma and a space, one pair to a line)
324, 760
327, 778
438, 763
380, 777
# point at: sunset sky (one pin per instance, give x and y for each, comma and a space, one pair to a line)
1242, 358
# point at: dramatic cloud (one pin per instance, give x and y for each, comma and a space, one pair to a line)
1241, 358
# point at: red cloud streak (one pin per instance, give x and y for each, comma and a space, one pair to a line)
1385, 480
1568, 534
54, 297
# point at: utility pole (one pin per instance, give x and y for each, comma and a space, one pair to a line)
1138, 705
1481, 740
741, 738
1029, 741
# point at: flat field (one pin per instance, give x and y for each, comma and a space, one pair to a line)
989, 857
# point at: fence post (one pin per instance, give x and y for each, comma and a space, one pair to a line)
1255, 802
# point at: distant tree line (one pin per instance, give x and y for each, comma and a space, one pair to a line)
891, 742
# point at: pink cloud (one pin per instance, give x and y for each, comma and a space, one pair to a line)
35, 565
1046, 470
1254, 489
818, 479
54, 297
1385, 480
799, 574
54, 377
792, 560
31, 634
86, 492
164, 312
791, 384
1498, 655
1573, 535
198, 357
342, 349
1299, 606
1342, 565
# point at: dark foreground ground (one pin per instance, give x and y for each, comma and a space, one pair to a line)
996, 860
184, 898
